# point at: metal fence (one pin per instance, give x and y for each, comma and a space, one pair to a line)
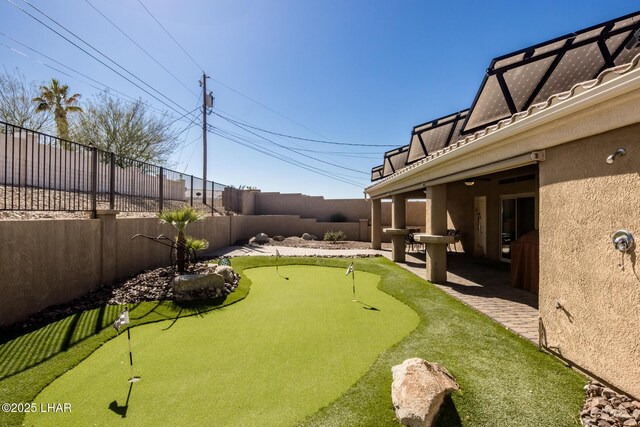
40, 172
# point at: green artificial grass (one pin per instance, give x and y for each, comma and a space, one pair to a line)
30, 360
292, 347
504, 379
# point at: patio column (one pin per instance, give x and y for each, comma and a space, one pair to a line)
436, 224
376, 226
398, 224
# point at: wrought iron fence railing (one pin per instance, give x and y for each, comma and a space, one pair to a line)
40, 172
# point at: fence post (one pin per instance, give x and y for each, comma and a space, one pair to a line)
191, 190
94, 182
161, 189
112, 182
204, 192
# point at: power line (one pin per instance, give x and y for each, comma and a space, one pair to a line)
128, 98
172, 38
338, 177
301, 138
101, 53
141, 48
260, 144
94, 57
341, 153
225, 85
287, 160
243, 122
229, 87
291, 149
193, 151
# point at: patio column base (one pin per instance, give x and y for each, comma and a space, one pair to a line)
399, 243
436, 255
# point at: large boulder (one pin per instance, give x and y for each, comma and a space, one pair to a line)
259, 238
226, 272
419, 388
187, 287
278, 238
307, 236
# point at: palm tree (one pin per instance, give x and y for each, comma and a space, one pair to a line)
54, 97
180, 218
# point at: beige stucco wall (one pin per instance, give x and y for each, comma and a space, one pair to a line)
51, 262
45, 263
583, 201
311, 206
246, 226
142, 254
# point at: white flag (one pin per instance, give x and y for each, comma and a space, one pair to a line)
350, 269
121, 321
277, 254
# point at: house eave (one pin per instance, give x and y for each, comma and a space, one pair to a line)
612, 84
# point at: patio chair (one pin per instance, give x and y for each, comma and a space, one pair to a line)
456, 239
411, 244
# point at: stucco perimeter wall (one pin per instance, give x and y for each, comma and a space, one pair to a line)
45, 263
310, 206
246, 226
583, 201
323, 209
135, 255
51, 262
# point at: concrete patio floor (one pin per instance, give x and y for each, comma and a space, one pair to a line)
483, 285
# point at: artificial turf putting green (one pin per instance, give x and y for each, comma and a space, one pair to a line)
289, 349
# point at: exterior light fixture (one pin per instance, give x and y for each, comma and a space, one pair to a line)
469, 182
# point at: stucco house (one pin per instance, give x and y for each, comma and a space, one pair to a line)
541, 171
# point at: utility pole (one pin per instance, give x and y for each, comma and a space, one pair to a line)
203, 83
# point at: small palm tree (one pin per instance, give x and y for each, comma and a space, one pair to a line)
55, 98
180, 219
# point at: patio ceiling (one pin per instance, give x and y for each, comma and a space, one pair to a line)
515, 82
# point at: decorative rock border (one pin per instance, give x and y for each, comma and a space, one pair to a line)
606, 408
151, 285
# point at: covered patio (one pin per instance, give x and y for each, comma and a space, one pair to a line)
541, 161
485, 286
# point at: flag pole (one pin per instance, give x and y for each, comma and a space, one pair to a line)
133, 378
353, 282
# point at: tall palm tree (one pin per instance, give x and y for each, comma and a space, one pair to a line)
180, 218
55, 98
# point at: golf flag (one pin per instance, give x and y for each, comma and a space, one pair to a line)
121, 321
350, 269
277, 254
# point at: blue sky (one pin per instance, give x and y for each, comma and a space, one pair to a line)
362, 72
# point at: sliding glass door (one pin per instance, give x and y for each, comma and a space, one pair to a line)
517, 217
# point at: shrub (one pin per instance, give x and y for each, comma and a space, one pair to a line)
334, 236
180, 219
